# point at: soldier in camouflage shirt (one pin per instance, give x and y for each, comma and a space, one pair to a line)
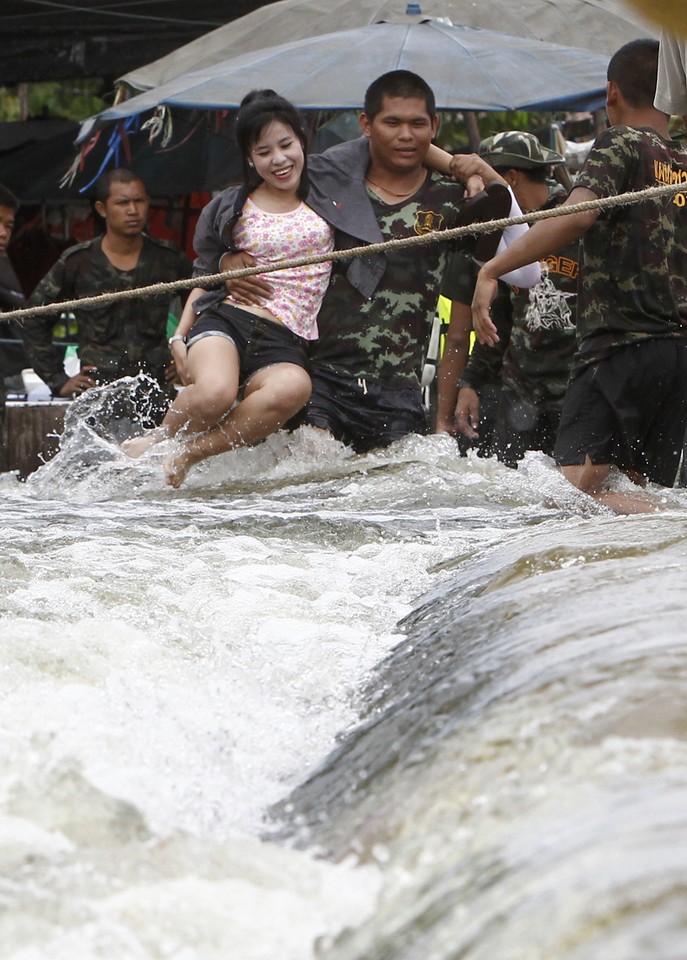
537, 326
116, 339
627, 402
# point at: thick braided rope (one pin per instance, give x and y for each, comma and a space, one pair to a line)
433, 236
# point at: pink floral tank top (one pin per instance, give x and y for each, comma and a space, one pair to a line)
271, 237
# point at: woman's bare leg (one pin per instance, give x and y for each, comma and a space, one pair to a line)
213, 365
272, 396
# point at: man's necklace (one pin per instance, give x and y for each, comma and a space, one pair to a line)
391, 192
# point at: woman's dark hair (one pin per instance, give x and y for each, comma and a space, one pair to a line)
535, 174
258, 109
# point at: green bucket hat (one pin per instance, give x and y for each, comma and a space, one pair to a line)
517, 149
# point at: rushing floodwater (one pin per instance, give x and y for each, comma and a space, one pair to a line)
405, 706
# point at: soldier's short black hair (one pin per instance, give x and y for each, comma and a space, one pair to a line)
7, 198
117, 175
398, 83
535, 174
634, 69
257, 110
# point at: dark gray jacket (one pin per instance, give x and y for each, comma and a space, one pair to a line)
337, 193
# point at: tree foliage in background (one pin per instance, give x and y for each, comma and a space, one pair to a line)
453, 134
70, 100
78, 99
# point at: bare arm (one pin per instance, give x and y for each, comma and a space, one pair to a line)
467, 413
473, 176
246, 290
484, 366
472, 165
451, 366
538, 242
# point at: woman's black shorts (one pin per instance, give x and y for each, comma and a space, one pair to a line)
260, 342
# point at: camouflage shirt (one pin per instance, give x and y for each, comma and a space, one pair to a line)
536, 329
634, 258
384, 337
119, 338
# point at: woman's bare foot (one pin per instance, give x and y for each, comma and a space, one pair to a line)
136, 446
176, 467
628, 504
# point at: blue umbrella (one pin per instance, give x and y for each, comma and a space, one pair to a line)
601, 26
468, 69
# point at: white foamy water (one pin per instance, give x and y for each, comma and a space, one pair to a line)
174, 663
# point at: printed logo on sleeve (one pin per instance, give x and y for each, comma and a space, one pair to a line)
666, 173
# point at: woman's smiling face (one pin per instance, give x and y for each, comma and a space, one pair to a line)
277, 155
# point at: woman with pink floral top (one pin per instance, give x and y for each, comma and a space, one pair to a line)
225, 351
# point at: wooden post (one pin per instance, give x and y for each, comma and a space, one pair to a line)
472, 127
32, 434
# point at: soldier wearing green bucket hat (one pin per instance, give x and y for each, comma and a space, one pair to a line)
531, 362
518, 150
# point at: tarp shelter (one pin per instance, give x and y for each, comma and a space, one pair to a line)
57, 40
34, 154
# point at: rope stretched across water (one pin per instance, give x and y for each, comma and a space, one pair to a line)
433, 236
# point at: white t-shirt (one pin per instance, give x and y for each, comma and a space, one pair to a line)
671, 86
